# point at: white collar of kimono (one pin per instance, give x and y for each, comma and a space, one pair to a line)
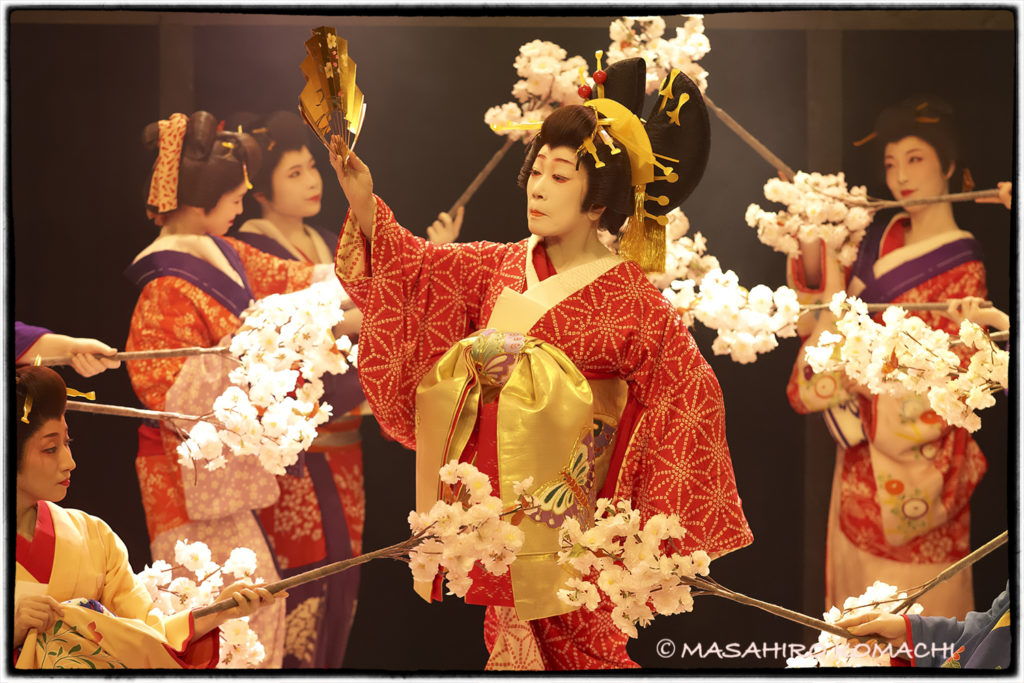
515, 312
200, 246
898, 257
262, 226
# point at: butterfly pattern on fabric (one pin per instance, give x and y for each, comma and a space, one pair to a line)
495, 354
570, 496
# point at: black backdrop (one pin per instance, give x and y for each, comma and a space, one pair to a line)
83, 85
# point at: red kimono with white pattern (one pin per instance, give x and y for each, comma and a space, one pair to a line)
951, 451
418, 299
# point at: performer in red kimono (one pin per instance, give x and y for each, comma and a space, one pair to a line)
903, 479
552, 358
194, 285
77, 603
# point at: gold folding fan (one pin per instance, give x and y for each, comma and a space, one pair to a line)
331, 103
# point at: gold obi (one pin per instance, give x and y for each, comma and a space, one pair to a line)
545, 430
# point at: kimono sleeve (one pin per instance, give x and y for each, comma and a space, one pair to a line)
25, 336
269, 274
125, 596
936, 639
808, 391
417, 300
168, 315
677, 460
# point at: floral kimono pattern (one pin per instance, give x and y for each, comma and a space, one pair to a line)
187, 301
110, 621
903, 481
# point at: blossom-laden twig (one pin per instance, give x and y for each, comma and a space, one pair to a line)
952, 570
686, 258
817, 207
822, 207
454, 536
284, 346
904, 355
748, 322
464, 532
644, 37
641, 570
833, 650
240, 647
547, 79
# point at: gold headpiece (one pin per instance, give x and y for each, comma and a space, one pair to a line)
620, 129
643, 238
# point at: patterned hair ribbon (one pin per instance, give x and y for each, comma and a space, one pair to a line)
163, 188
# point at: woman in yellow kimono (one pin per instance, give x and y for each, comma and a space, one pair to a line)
77, 603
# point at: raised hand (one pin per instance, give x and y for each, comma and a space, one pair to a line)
446, 229
356, 182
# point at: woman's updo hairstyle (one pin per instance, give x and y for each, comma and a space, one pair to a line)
211, 160
608, 186
280, 132
49, 398
926, 117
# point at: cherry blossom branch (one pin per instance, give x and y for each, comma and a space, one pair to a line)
122, 411
950, 571
755, 144
715, 588
481, 177
909, 306
879, 204
144, 355
398, 551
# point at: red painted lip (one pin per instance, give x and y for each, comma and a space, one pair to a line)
315, 198
66, 482
535, 213
907, 193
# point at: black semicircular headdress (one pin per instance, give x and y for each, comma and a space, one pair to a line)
668, 153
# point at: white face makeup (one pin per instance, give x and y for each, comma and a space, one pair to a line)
296, 185
554, 194
46, 463
913, 169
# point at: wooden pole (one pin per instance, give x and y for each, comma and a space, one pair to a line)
142, 355
480, 177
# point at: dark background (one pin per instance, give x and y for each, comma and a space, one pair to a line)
83, 85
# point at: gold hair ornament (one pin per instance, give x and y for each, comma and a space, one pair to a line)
75, 393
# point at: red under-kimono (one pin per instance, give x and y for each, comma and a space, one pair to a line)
900, 510
419, 299
215, 507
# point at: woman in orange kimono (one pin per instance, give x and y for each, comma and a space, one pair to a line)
551, 357
194, 285
903, 479
77, 603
